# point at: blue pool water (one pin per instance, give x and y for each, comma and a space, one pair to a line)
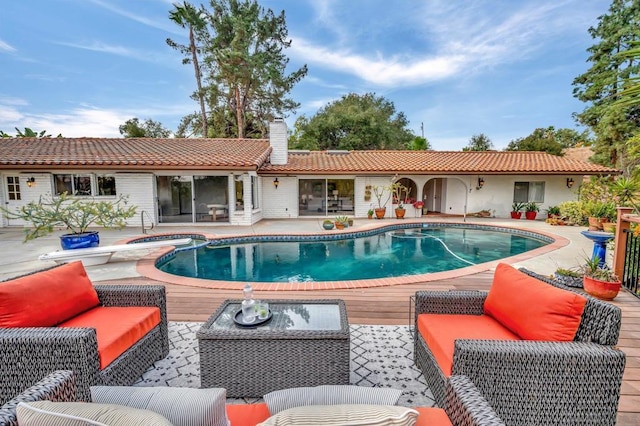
398, 252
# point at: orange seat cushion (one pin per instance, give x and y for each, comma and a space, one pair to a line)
252, 414
430, 416
117, 328
440, 331
532, 309
46, 298
247, 414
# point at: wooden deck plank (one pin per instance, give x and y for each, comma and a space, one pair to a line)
390, 306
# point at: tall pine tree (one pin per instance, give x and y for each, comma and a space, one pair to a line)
612, 123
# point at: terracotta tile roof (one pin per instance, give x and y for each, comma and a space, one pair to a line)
134, 153
432, 162
252, 154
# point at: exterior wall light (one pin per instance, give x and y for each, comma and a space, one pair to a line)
276, 183
480, 183
31, 182
570, 182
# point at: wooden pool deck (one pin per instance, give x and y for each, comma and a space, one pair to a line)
389, 305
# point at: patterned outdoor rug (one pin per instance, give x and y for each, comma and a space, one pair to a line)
381, 356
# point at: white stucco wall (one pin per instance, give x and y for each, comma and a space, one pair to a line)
497, 193
280, 202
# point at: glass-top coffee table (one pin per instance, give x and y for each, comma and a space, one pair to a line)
305, 343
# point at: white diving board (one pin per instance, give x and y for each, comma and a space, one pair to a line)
101, 255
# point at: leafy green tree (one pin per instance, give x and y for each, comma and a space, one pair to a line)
479, 142
28, 133
612, 123
149, 129
244, 68
550, 140
419, 144
354, 122
187, 16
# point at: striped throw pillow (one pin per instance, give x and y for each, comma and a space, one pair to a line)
330, 395
342, 415
181, 406
49, 413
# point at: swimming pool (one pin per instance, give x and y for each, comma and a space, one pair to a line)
392, 251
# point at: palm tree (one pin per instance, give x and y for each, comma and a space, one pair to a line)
188, 16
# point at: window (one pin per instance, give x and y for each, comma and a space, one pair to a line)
106, 185
13, 188
525, 192
255, 199
84, 184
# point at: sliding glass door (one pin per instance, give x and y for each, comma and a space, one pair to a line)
189, 199
321, 197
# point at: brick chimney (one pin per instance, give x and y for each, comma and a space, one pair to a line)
278, 141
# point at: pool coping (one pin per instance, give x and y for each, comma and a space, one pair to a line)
146, 266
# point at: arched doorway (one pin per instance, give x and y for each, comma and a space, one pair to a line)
432, 195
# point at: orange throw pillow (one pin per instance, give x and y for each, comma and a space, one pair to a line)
532, 309
46, 298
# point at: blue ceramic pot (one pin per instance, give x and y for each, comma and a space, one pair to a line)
78, 241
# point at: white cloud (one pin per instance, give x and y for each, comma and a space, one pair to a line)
4, 46
127, 52
459, 40
165, 25
385, 72
82, 121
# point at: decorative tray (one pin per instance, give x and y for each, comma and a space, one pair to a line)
237, 318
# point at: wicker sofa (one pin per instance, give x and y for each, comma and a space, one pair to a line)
465, 406
528, 381
29, 353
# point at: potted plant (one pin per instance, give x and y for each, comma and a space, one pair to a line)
400, 193
370, 213
74, 214
516, 210
341, 222
531, 210
419, 206
608, 219
381, 193
595, 211
553, 212
327, 224
600, 281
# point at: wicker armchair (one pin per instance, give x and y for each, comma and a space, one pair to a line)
28, 354
466, 406
532, 382
58, 386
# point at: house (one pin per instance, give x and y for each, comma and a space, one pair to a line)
239, 182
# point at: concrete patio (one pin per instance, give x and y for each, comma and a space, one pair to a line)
187, 303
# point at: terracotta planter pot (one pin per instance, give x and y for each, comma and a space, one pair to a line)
516, 215
595, 224
380, 212
339, 225
608, 227
400, 213
530, 215
601, 289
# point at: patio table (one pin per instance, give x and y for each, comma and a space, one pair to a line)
305, 343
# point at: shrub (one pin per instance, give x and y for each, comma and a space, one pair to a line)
573, 211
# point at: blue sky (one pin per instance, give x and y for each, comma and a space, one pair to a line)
459, 68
